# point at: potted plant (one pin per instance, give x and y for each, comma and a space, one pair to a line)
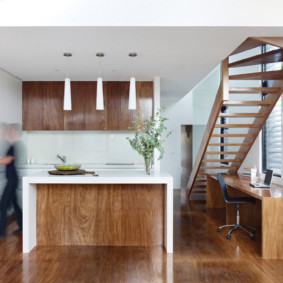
149, 135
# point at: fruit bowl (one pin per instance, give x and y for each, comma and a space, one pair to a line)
67, 167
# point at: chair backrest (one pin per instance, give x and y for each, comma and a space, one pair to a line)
223, 187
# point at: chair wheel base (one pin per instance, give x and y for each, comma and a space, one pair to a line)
219, 229
228, 237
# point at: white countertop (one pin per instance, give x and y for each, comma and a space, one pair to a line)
117, 176
97, 166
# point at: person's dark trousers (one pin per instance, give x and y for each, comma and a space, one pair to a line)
8, 197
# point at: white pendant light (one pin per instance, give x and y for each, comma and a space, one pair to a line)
67, 88
132, 94
67, 95
99, 87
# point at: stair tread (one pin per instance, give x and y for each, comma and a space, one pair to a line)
265, 58
220, 160
270, 75
247, 102
199, 186
228, 144
232, 135
218, 167
241, 115
198, 191
224, 152
238, 126
255, 90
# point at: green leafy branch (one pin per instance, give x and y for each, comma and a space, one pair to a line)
149, 134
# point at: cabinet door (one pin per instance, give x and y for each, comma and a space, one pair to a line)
144, 94
32, 116
53, 114
95, 119
144, 99
112, 103
76, 118
126, 115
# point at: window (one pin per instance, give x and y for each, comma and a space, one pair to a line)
223, 120
271, 133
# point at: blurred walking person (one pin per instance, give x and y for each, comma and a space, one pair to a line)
9, 194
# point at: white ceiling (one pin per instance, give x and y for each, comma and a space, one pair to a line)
181, 56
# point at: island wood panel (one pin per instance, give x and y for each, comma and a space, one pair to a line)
100, 215
32, 106
53, 100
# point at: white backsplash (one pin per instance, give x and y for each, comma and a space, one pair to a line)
80, 147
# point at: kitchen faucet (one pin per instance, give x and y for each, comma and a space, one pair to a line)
62, 158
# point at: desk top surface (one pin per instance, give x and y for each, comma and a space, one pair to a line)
235, 181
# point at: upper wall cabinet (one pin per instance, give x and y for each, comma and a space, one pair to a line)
43, 106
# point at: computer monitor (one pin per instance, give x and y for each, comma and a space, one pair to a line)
268, 177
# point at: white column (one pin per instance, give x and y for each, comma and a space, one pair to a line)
168, 231
156, 105
29, 216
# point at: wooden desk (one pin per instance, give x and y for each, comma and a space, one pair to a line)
267, 212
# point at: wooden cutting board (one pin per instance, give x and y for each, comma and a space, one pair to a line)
72, 172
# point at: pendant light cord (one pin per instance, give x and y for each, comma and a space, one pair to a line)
67, 58
99, 67
133, 67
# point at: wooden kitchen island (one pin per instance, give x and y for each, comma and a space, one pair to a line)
117, 208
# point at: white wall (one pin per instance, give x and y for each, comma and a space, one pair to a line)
10, 98
180, 113
81, 147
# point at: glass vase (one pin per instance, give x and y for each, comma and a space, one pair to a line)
147, 161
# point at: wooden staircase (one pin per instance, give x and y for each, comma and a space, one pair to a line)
208, 159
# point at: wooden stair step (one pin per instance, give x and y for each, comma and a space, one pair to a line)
236, 115
238, 126
248, 103
220, 160
265, 58
224, 152
198, 191
248, 44
199, 186
228, 144
217, 167
255, 90
270, 75
232, 135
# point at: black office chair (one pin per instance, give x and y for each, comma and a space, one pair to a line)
237, 201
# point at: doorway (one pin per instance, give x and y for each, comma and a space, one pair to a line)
186, 154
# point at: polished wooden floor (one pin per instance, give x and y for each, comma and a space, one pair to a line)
200, 255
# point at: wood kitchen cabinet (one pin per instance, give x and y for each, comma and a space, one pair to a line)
43, 106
